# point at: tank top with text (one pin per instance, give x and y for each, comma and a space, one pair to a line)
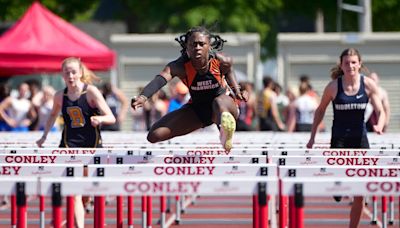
78, 130
348, 112
204, 88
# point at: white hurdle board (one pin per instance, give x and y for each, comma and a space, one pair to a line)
331, 152
335, 161
339, 171
84, 159
8, 185
65, 151
179, 170
342, 186
156, 186
42, 170
186, 159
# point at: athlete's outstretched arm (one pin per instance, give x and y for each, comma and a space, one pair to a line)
170, 70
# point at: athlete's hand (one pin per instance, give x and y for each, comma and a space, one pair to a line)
40, 142
243, 95
378, 130
310, 144
95, 121
138, 102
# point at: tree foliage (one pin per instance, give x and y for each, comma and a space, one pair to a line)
265, 17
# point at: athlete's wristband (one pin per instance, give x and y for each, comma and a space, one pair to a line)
157, 83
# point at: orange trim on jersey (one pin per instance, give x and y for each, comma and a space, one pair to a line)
190, 74
213, 69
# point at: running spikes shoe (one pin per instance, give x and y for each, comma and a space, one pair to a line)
228, 126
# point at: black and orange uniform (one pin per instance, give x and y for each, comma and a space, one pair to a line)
203, 89
78, 130
348, 128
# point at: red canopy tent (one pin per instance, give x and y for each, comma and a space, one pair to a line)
40, 40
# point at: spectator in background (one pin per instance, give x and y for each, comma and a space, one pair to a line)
118, 103
18, 112
302, 110
45, 107
35, 97
312, 93
4, 93
269, 119
179, 98
247, 109
371, 116
282, 101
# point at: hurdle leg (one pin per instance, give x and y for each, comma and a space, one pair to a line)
168, 209
178, 210
263, 205
42, 213
256, 212
299, 205
292, 212
283, 208
149, 211
101, 210
162, 211
391, 211
130, 211
384, 211
57, 205
13, 211
70, 212
374, 219
120, 212
21, 205
144, 212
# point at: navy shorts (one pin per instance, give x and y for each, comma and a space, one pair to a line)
350, 142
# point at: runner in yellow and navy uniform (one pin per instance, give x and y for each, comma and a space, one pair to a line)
78, 130
84, 111
207, 74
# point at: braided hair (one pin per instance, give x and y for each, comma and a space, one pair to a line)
216, 42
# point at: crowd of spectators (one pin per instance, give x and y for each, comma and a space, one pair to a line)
271, 109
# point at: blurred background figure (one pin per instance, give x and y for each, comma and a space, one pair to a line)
304, 78
118, 103
302, 110
179, 96
269, 119
45, 107
5, 91
247, 110
18, 112
282, 101
35, 96
370, 115
155, 108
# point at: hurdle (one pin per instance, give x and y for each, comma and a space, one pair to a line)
100, 186
177, 170
350, 172
300, 187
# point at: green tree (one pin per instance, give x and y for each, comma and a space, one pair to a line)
228, 16
12, 10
